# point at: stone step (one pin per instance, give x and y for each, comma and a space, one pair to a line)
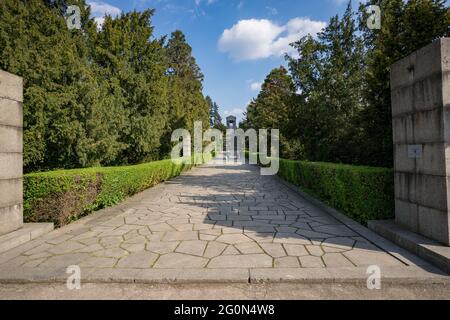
429, 250
28, 232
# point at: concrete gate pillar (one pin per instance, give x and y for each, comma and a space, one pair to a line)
11, 130
13, 232
420, 87
420, 91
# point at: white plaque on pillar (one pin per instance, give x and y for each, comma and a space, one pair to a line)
415, 151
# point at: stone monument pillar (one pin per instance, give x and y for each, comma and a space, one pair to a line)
231, 122
11, 109
13, 232
420, 87
231, 139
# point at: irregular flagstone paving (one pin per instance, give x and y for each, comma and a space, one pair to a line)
213, 217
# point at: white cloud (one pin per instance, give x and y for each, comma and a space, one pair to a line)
198, 2
99, 21
237, 112
255, 86
255, 39
272, 11
100, 9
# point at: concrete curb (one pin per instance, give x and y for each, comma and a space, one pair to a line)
430, 250
28, 232
390, 275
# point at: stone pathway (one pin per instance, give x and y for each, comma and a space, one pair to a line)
214, 223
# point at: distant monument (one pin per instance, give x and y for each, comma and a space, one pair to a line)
231, 141
231, 122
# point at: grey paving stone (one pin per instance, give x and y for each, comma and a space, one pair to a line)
230, 251
311, 262
233, 238
33, 263
296, 250
341, 243
337, 230
207, 237
315, 250
39, 249
40, 255
162, 247
179, 260
184, 227
260, 237
140, 260
180, 235
59, 239
89, 241
155, 236
66, 247
111, 253
275, 250
286, 262
161, 227
192, 247
290, 238
260, 229
65, 260
286, 229
214, 249
137, 239
336, 260
368, 258
248, 248
98, 262
241, 261
111, 242
313, 234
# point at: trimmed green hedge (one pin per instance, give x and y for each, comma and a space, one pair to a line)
66, 195
362, 193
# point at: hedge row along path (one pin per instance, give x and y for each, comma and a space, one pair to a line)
212, 224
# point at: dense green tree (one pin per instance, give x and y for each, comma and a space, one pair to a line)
215, 119
405, 27
187, 103
133, 67
36, 44
328, 76
100, 95
271, 107
274, 108
342, 109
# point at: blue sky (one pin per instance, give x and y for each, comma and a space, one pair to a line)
236, 42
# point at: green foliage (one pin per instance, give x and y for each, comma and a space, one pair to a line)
406, 27
362, 193
329, 77
274, 108
97, 96
340, 108
186, 101
65, 195
215, 119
